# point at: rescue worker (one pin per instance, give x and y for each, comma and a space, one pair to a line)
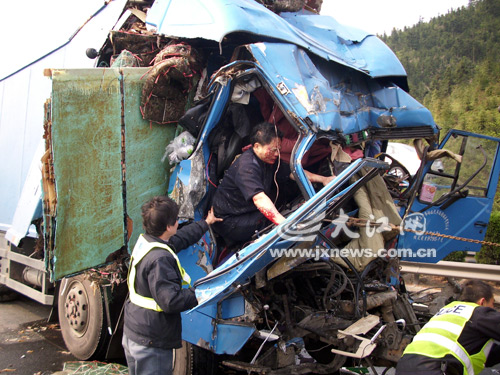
152, 319
458, 339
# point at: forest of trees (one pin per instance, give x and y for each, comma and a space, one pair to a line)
453, 67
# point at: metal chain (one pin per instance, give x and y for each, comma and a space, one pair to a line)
454, 237
364, 222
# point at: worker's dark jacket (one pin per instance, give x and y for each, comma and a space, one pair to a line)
484, 324
158, 276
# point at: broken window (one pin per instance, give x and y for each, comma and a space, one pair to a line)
471, 175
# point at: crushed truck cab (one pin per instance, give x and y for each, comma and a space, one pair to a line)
317, 274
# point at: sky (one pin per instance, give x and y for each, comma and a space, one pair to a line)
49, 23
45, 25
378, 17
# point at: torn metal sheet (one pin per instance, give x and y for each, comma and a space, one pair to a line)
189, 185
243, 265
239, 334
364, 349
322, 35
361, 326
194, 329
340, 99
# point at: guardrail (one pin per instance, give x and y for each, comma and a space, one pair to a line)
460, 270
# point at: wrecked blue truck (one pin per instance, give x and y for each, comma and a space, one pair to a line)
174, 93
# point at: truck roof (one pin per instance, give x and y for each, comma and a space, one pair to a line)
321, 35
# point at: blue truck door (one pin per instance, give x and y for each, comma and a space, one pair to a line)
454, 199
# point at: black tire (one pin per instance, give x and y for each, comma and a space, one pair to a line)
81, 317
193, 360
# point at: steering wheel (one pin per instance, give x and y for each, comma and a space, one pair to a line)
397, 177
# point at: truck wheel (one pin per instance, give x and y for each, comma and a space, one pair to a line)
193, 360
81, 317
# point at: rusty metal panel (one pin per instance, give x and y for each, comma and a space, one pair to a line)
145, 143
86, 136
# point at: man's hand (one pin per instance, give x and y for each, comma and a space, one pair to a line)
210, 219
326, 180
313, 177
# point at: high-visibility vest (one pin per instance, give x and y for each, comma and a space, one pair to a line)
439, 337
142, 247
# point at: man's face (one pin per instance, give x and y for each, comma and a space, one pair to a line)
268, 153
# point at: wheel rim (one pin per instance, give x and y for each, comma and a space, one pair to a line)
76, 307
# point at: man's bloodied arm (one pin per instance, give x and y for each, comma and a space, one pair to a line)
267, 207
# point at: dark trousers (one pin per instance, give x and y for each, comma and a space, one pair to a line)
415, 364
241, 228
147, 360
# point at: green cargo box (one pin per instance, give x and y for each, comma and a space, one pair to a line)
101, 182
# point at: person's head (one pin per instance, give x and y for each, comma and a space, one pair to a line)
477, 291
159, 216
266, 142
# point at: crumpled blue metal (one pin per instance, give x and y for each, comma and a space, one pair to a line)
338, 99
321, 35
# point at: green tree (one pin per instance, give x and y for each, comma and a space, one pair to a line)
490, 254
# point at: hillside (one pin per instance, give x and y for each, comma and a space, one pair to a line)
453, 65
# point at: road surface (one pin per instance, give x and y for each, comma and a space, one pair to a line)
29, 344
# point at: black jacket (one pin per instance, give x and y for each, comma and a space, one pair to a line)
158, 276
246, 177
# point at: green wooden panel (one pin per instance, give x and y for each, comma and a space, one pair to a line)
146, 174
86, 137
87, 143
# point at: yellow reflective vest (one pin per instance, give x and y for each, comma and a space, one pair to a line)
439, 337
142, 247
